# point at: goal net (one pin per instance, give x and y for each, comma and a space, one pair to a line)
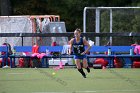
113, 20
18, 24
32, 24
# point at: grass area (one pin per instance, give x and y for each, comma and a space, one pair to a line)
69, 80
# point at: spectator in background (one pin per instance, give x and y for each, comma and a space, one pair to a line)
136, 47
136, 61
8, 46
54, 42
35, 60
4, 53
135, 44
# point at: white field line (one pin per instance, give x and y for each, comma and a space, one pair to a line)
104, 91
85, 91
16, 73
137, 90
49, 92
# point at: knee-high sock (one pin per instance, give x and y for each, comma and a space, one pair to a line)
81, 71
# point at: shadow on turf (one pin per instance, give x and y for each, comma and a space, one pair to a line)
133, 83
60, 81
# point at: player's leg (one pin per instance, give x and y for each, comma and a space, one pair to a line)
85, 65
78, 64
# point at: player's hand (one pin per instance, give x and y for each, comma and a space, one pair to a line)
83, 53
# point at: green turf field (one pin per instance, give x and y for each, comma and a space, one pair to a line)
31, 80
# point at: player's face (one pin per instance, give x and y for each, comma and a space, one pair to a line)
77, 34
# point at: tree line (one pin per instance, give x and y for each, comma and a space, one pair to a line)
70, 11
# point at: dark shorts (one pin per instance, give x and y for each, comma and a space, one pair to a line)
80, 56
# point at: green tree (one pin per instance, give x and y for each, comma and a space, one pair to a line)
5, 7
70, 11
29, 7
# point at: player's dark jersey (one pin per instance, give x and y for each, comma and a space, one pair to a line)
78, 47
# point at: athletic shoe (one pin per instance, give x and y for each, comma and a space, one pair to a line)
84, 76
88, 69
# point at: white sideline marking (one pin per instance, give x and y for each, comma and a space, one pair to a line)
94, 91
121, 90
16, 73
49, 92
107, 91
85, 91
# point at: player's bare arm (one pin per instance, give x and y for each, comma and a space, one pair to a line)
88, 46
70, 48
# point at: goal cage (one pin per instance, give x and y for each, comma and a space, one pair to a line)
32, 24
112, 20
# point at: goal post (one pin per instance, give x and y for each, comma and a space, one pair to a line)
32, 24
111, 19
